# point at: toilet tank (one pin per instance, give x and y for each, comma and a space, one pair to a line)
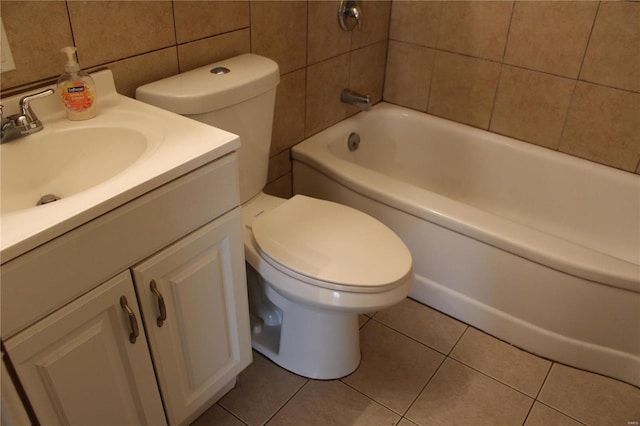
237, 95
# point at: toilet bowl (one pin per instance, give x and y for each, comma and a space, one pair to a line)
312, 265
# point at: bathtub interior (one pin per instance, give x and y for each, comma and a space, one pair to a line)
582, 202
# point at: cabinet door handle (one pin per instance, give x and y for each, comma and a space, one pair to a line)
132, 319
161, 306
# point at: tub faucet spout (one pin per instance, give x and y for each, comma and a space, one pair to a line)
361, 101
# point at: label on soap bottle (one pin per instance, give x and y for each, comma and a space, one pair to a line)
77, 96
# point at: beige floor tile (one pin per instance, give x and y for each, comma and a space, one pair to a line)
332, 402
262, 389
362, 320
459, 395
508, 364
424, 324
541, 415
394, 368
591, 398
216, 416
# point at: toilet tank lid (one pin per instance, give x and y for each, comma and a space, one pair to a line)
210, 87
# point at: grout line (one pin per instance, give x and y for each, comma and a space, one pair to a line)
231, 413
561, 412
409, 337
502, 65
586, 47
284, 404
546, 376
424, 387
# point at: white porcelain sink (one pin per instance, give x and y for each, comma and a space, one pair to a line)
64, 162
93, 166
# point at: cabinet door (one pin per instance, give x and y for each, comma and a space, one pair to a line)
205, 340
79, 367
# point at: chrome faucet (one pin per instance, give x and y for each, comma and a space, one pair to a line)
25, 122
361, 101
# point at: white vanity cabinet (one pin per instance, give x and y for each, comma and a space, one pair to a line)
68, 331
79, 367
197, 332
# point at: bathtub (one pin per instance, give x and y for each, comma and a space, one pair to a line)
533, 246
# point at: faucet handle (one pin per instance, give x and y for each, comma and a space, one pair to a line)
24, 101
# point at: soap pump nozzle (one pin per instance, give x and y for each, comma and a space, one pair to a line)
72, 65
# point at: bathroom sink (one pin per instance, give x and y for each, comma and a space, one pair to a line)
91, 167
63, 163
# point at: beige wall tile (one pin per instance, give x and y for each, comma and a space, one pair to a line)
374, 23
603, 126
613, 55
288, 121
325, 37
408, 75
206, 51
124, 30
590, 398
415, 22
550, 36
463, 88
325, 81
459, 395
508, 364
531, 106
279, 165
36, 32
367, 70
105, 31
279, 32
131, 73
475, 28
281, 187
200, 19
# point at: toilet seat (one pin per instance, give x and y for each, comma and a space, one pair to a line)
332, 246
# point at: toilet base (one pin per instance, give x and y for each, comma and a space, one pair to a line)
314, 343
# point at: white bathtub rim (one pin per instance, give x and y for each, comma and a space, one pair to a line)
548, 250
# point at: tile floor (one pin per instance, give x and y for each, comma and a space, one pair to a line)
420, 367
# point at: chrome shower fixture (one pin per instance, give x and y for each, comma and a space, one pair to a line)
349, 15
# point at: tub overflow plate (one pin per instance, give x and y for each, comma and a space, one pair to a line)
353, 142
46, 199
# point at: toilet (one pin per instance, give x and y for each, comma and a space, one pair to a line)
312, 265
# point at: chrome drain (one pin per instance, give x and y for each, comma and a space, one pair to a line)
46, 199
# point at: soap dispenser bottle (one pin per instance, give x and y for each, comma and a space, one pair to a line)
77, 89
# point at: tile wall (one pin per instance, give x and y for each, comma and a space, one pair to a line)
561, 74
564, 75
143, 41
